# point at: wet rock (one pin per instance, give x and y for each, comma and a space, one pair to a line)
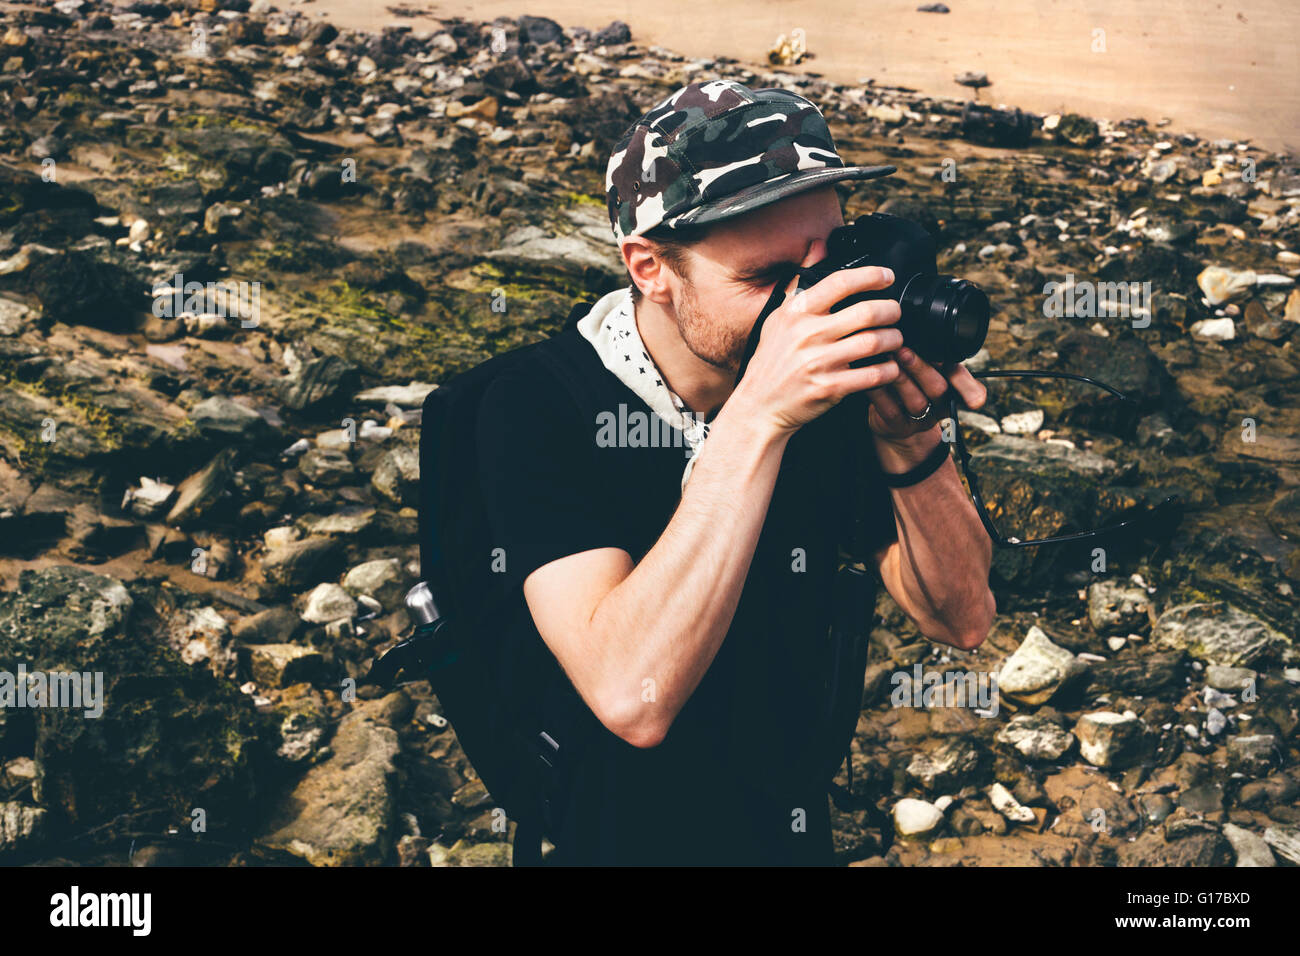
1156, 807
1008, 806
1110, 740
397, 476
326, 603
1251, 848
1047, 459
1217, 633
1262, 325
1253, 755
350, 521
1222, 285
318, 384
1115, 608
403, 396
342, 812
382, 579
197, 494
916, 819
1038, 669
219, 417
202, 638
74, 286
1215, 330
275, 625
150, 500
464, 853
1284, 515
1204, 799
1231, 680
297, 564
154, 754
1077, 130
993, 127
616, 32
21, 827
327, 468
954, 763
532, 249
226, 221
538, 30
1036, 738
1022, 423
1197, 849
14, 317
1285, 841
303, 730
279, 665
413, 851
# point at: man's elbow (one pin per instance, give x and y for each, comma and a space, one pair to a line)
634, 722
975, 623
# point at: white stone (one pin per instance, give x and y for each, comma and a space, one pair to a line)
1215, 330
916, 818
985, 423
1037, 668
328, 602
405, 396
1007, 805
1222, 285
1023, 423
279, 537
1251, 848
1103, 734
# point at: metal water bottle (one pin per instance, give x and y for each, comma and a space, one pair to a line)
428, 647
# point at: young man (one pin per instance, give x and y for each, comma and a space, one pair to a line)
684, 588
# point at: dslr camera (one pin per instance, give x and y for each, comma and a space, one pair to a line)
944, 320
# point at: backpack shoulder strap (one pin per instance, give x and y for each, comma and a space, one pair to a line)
568, 355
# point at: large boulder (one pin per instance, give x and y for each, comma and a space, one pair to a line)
342, 811
1217, 633
152, 737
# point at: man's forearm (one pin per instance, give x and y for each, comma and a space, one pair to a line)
666, 620
938, 570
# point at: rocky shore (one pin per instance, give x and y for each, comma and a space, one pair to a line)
237, 249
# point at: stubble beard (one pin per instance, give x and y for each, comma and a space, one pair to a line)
710, 341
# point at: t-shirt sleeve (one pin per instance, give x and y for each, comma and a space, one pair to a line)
541, 494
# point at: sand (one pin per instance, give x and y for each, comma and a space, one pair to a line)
1220, 70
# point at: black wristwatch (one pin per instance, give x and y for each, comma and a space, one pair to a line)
924, 470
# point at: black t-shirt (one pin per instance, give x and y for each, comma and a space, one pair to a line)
739, 777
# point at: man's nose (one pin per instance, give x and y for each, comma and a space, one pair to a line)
816, 253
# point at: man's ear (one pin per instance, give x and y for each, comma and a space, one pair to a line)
646, 268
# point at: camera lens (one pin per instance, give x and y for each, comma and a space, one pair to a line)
944, 319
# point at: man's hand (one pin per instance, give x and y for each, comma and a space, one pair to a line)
801, 367
920, 385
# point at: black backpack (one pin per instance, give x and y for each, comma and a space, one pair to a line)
523, 735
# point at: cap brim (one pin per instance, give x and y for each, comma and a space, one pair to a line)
762, 194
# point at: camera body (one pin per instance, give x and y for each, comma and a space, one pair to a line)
944, 319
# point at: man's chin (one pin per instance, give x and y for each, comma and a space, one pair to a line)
730, 364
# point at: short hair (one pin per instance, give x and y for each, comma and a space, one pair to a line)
671, 245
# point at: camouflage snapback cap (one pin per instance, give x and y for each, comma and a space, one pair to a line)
715, 150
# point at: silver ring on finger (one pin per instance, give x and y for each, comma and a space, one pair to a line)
929, 407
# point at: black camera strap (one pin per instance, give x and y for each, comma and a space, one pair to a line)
852, 608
